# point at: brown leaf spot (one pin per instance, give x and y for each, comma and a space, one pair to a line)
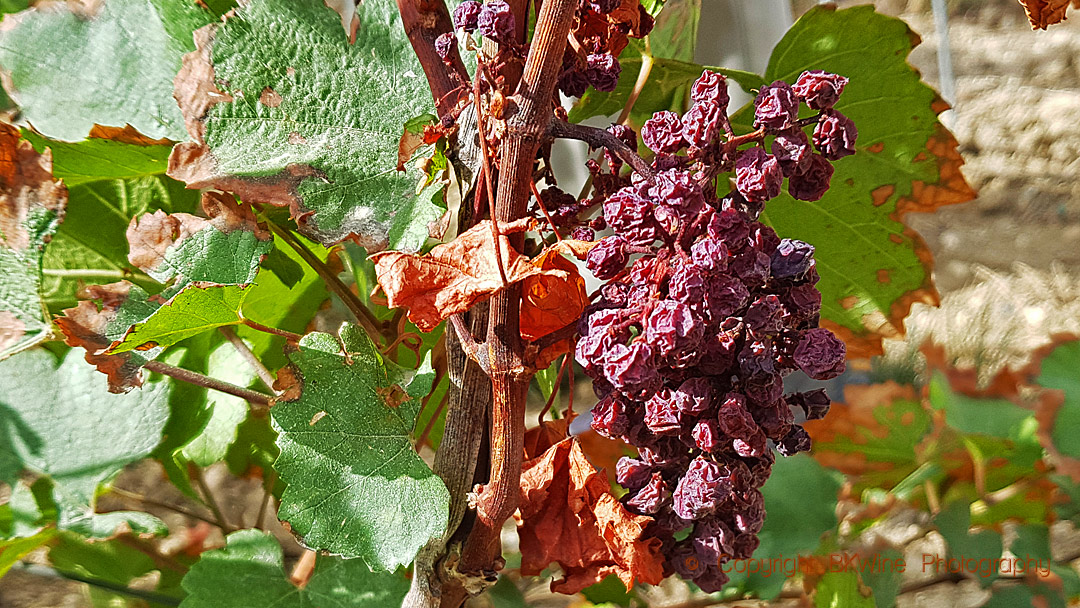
85, 326
270, 98
393, 396
297, 139
881, 194
26, 186
317, 417
567, 515
849, 302
12, 329
876, 148
126, 134
151, 345
883, 277
407, 146
951, 187
896, 238
451, 278
288, 383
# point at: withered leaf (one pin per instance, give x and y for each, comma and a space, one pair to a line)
103, 317
452, 277
568, 515
1044, 13
549, 301
31, 208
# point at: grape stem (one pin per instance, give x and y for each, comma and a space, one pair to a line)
601, 138
525, 130
183, 375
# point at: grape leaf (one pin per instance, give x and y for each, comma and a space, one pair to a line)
875, 434
255, 558
192, 255
283, 110
31, 208
136, 46
842, 588
58, 422
872, 266
192, 311
1059, 412
226, 412
109, 182
355, 486
953, 522
13, 550
1044, 13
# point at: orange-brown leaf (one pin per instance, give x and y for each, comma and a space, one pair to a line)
568, 516
86, 325
1044, 13
451, 278
27, 188
550, 301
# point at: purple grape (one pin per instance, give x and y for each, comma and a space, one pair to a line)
701, 125
632, 473
467, 15
609, 417
631, 215
676, 190
710, 87
835, 135
444, 44
663, 133
820, 354
603, 72
651, 498
757, 175
792, 150
792, 259
701, 490
815, 404
813, 182
609, 257
496, 21
819, 89
776, 107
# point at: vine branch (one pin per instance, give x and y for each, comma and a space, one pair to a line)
601, 138
184, 375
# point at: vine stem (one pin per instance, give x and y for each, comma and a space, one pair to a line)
525, 129
363, 316
184, 375
242, 349
161, 505
601, 138
266, 329
149, 596
211, 501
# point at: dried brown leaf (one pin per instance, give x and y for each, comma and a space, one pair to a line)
568, 515
452, 277
550, 301
1044, 13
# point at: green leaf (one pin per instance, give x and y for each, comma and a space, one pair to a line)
953, 522
255, 558
11, 551
136, 46
1059, 373
109, 183
226, 412
308, 120
885, 581
675, 33
190, 312
31, 208
58, 420
355, 487
841, 590
872, 267
992, 417
800, 506
20, 516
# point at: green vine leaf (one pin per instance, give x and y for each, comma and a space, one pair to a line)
355, 486
285, 111
205, 263
110, 181
32, 205
136, 46
58, 422
255, 558
872, 266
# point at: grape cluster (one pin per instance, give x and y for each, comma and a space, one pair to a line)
703, 312
601, 31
